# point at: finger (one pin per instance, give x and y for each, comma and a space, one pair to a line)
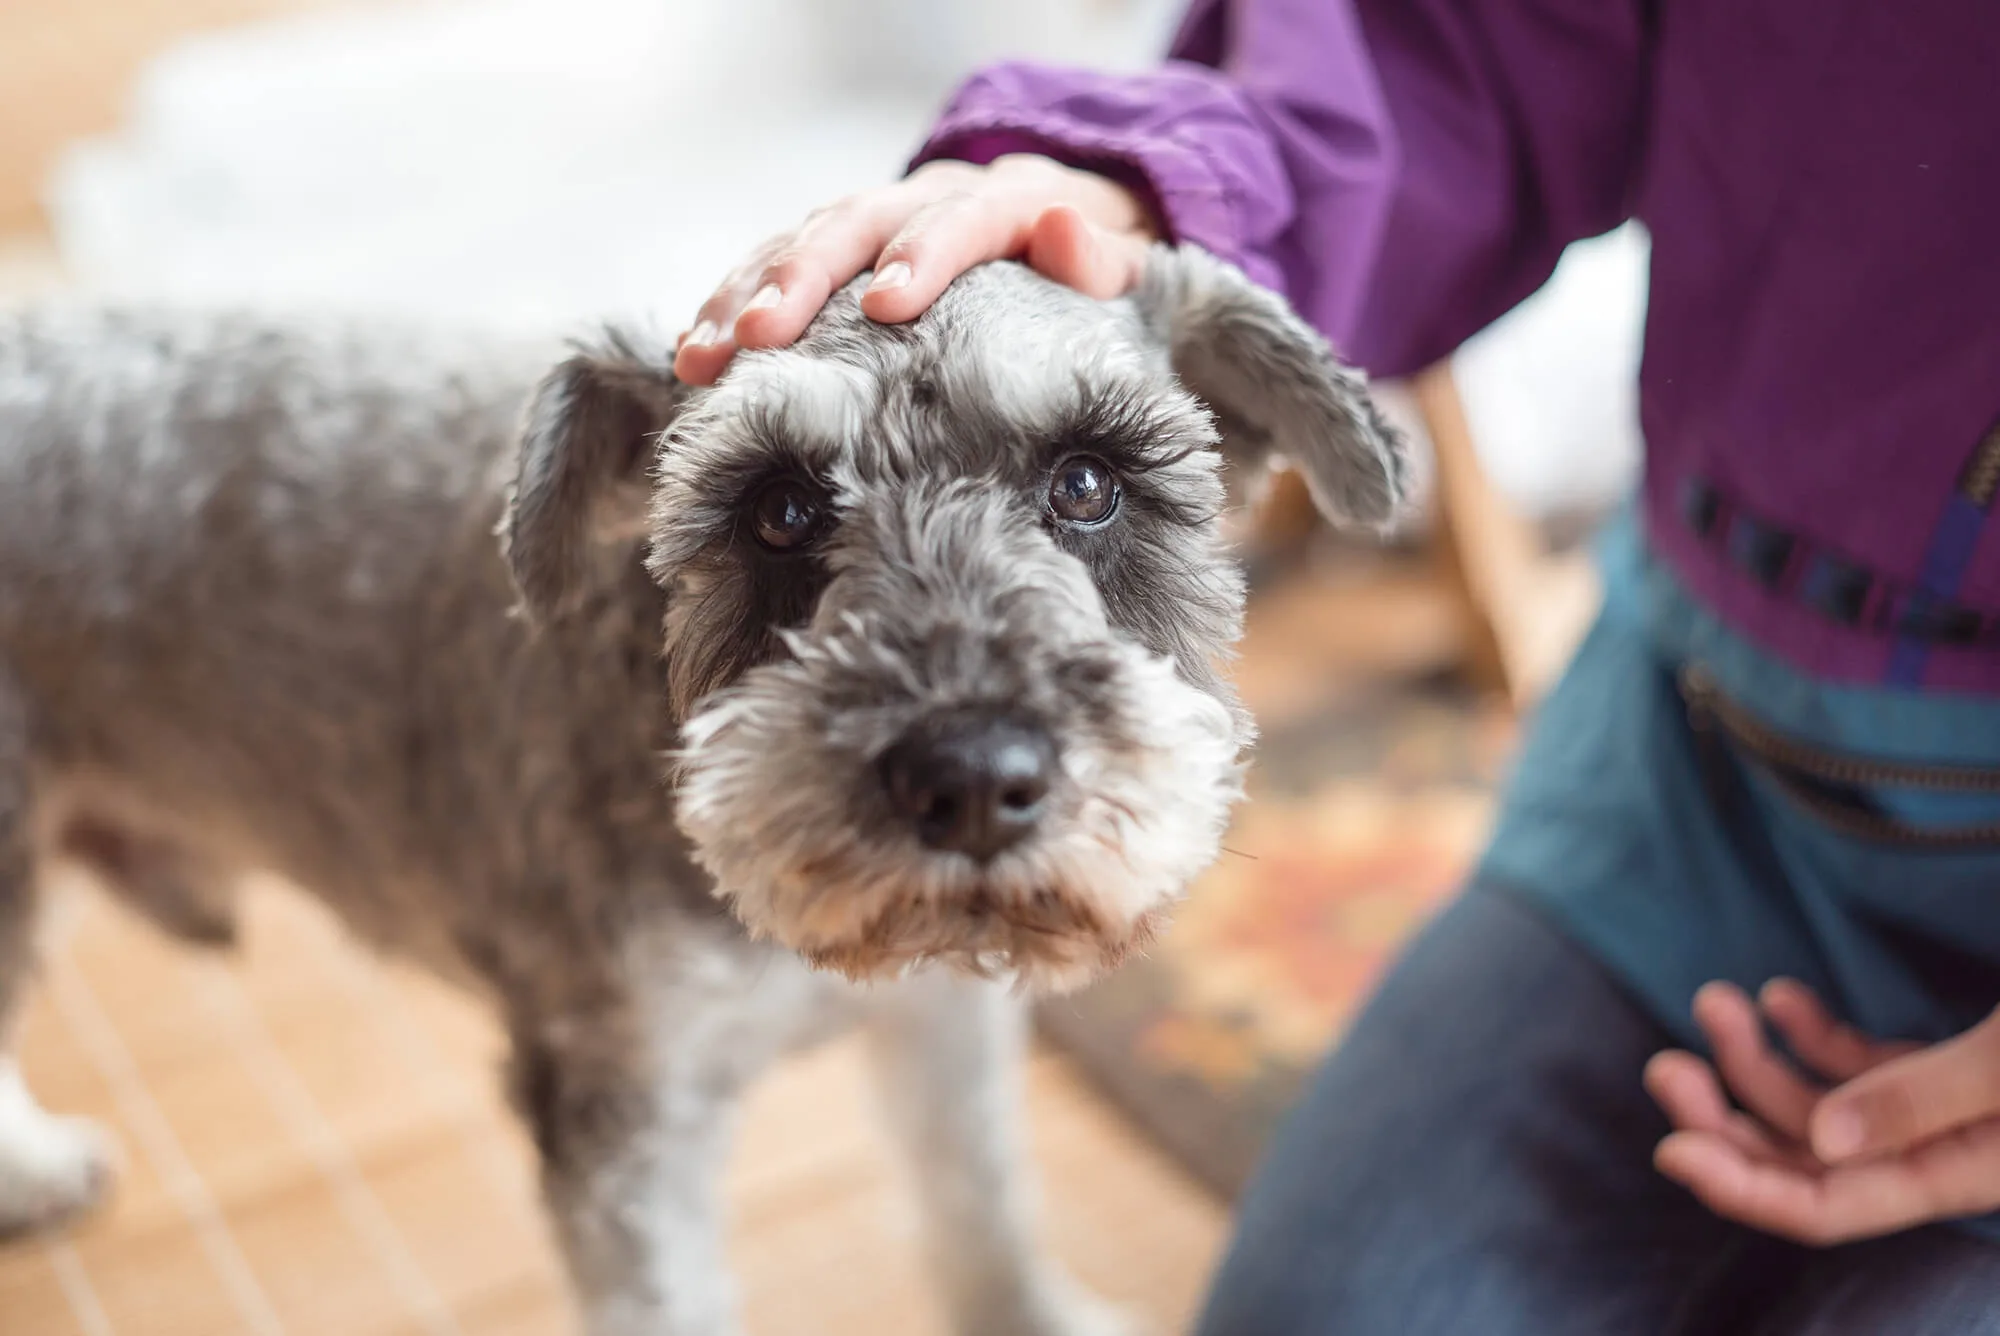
1837, 1052
1689, 1093
1956, 1175
1949, 1179
1777, 1199
940, 241
1097, 262
711, 342
1761, 1081
700, 360
1912, 1099
834, 246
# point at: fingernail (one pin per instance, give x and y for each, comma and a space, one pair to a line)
1842, 1133
704, 334
767, 296
890, 276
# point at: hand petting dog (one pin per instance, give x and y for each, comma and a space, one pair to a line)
917, 235
1898, 1135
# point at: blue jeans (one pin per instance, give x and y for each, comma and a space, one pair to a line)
1475, 1160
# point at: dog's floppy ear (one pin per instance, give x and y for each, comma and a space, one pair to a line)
1278, 392
581, 477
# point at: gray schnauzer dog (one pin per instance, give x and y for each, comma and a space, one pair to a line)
878, 676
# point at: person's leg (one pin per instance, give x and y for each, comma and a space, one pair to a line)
1930, 1282
1476, 1160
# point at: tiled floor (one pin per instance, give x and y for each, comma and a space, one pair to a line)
315, 1146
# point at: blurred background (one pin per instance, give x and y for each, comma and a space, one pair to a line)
507, 160
313, 1138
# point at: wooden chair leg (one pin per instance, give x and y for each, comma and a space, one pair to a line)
1525, 610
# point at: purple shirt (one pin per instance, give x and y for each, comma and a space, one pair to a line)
1821, 181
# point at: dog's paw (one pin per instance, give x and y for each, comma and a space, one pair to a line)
1088, 1315
1096, 1317
51, 1169
1058, 1307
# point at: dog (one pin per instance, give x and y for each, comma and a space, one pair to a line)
879, 684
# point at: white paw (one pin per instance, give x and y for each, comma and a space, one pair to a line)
1060, 1307
1088, 1315
51, 1169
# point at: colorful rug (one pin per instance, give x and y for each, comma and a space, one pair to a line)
1364, 816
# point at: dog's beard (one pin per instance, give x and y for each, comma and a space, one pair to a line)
768, 794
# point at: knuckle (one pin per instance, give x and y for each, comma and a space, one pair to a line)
955, 209
1028, 166
786, 265
953, 201
1038, 180
953, 215
836, 214
1892, 1114
719, 304
945, 171
761, 256
916, 229
741, 279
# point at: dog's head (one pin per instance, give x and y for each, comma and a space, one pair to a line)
947, 601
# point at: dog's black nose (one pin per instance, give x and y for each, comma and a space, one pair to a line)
971, 785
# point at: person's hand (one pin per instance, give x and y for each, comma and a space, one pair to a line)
918, 235
1906, 1135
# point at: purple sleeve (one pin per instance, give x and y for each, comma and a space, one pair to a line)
1404, 171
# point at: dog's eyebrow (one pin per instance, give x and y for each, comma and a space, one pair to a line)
784, 412
1138, 424
1028, 387
816, 398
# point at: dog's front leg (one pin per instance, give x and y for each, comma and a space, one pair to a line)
630, 1154
950, 1055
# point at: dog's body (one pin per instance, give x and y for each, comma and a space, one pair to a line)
254, 617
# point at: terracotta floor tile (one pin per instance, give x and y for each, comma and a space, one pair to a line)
175, 1282
317, 1145
35, 1299
329, 1274
534, 1308
471, 1239
216, 1110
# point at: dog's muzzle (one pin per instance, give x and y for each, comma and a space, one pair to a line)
871, 832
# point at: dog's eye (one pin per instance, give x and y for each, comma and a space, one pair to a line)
786, 515
1083, 491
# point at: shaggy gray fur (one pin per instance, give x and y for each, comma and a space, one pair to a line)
254, 617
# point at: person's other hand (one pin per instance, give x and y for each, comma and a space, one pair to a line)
918, 235
1889, 1135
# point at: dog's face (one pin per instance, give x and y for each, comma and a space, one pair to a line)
947, 601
